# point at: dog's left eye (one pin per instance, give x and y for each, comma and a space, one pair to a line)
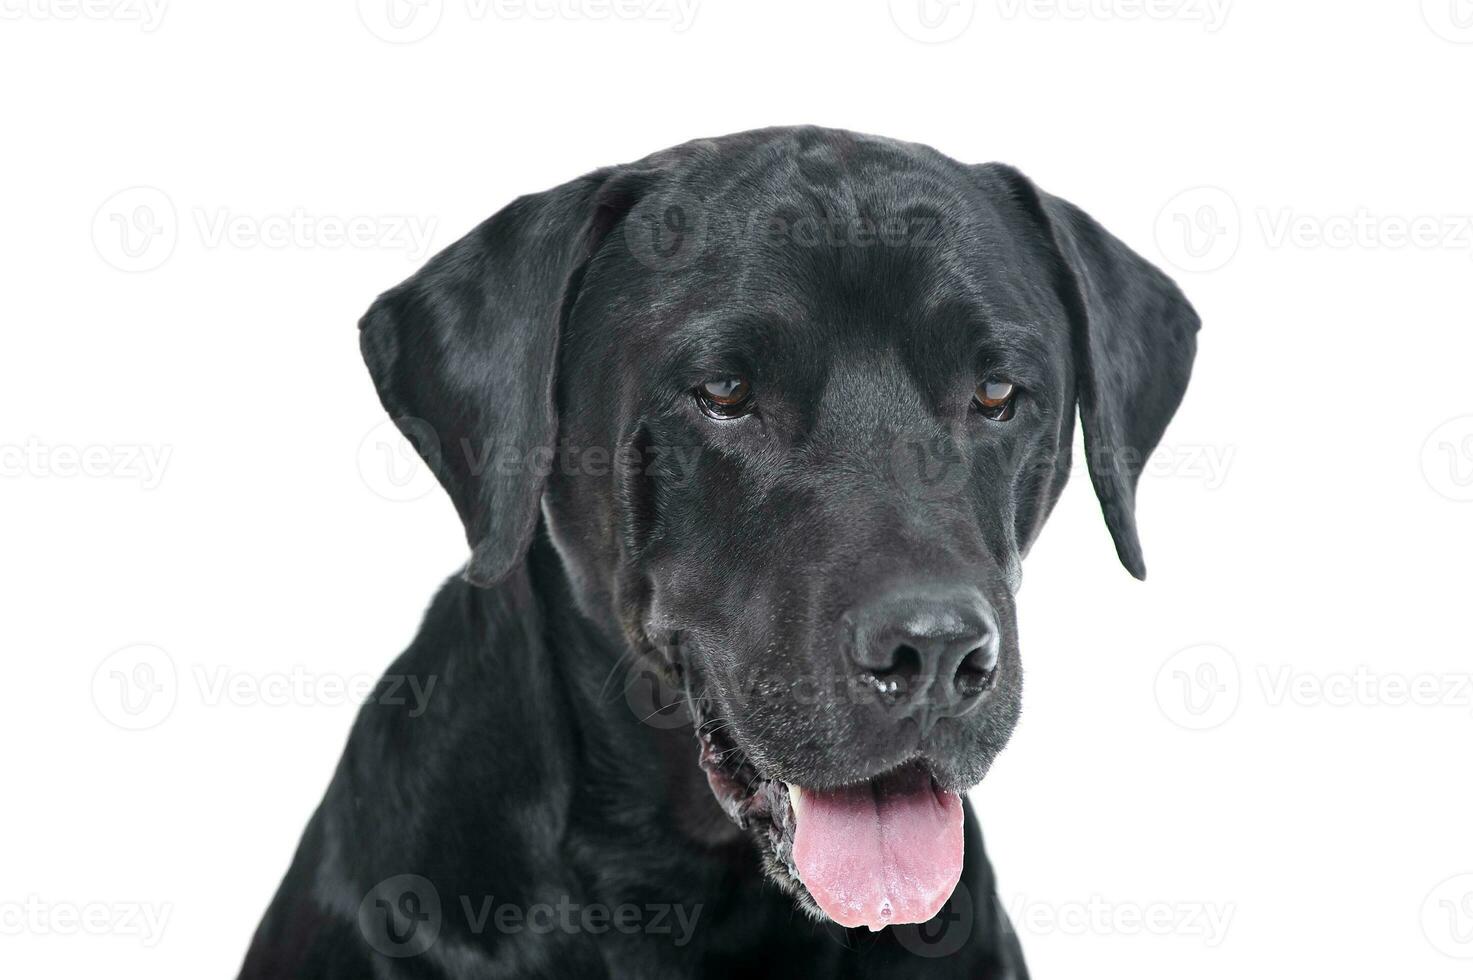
725, 398
994, 399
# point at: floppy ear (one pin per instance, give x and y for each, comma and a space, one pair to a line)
1134, 336
464, 355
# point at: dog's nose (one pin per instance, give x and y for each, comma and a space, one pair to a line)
927, 654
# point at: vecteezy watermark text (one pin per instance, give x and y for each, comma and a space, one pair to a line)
36, 459
35, 916
1098, 916
137, 687
138, 229
147, 14
1211, 14
408, 21
1200, 229
403, 916
1202, 687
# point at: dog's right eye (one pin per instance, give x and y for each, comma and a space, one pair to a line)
725, 398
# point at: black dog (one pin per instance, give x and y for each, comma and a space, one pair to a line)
771, 418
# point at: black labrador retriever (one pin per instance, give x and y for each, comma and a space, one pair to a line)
749, 439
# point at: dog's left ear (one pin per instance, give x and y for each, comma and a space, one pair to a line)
464, 355
1134, 336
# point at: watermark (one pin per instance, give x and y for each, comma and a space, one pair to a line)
299, 687
944, 934
931, 464
1207, 464
1199, 229
300, 228
136, 687
396, 459
1206, 922
669, 231
392, 459
940, 464
933, 21
1202, 228
138, 229
143, 463
147, 14
139, 686
657, 699
1211, 14
1365, 229
654, 699
1451, 20
408, 21
1203, 686
404, 916
1447, 459
35, 916
1447, 917
1199, 688
666, 232
401, 21
1363, 687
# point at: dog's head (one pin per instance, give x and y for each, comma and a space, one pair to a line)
793, 405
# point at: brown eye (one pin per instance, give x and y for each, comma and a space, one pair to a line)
725, 397
994, 399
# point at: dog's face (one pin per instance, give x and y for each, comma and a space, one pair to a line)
794, 404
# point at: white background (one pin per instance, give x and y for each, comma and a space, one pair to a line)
193, 462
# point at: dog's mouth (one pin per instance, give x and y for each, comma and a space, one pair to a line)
877, 853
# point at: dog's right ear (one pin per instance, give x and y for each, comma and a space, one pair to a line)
464, 356
1134, 338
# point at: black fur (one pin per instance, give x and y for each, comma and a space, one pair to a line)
624, 542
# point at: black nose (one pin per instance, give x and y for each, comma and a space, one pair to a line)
929, 654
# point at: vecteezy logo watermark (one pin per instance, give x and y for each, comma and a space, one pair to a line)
1447, 459
654, 700
933, 21
392, 459
139, 686
1097, 916
1451, 20
401, 21
407, 21
34, 916
671, 230
123, 461
1447, 917
301, 687
299, 228
1199, 230
138, 229
946, 933
1199, 688
1202, 686
136, 687
403, 916
147, 14
927, 465
1211, 14
666, 232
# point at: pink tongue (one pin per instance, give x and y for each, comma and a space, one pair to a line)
881, 853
